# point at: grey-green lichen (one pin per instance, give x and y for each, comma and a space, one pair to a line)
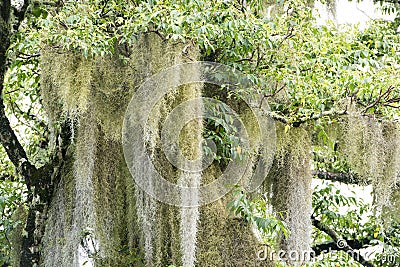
223, 239
289, 187
372, 148
97, 199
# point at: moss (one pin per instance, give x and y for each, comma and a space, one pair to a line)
66, 81
57, 239
289, 187
363, 146
109, 200
129, 227
126, 221
391, 212
372, 149
224, 240
389, 164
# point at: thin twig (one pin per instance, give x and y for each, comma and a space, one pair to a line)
378, 100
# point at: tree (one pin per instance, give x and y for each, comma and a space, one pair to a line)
331, 91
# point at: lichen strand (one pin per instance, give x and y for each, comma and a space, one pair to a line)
73, 207
373, 150
189, 141
66, 82
58, 244
165, 235
362, 144
119, 244
262, 136
391, 213
224, 240
289, 186
390, 163
128, 226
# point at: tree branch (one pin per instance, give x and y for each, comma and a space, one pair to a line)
347, 178
20, 14
379, 98
297, 123
345, 246
333, 246
13, 147
27, 56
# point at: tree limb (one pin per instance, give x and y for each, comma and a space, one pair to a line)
345, 246
297, 123
347, 178
379, 98
333, 246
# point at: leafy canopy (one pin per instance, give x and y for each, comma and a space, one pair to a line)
303, 68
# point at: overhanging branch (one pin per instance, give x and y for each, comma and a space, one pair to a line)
347, 178
297, 123
333, 246
345, 246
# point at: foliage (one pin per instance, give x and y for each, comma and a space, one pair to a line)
354, 220
346, 214
304, 70
316, 65
222, 131
257, 211
22, 92
11, 198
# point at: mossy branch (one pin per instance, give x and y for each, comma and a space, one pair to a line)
347, 178
297, 123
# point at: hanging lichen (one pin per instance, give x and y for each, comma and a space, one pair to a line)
391, 212
371, 147
224, 240
331, 8
362, 144
67, 82
390, 164
100, 200
58, 244
20, 216
99, 214
289, 187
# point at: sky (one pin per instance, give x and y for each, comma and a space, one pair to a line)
352, 12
